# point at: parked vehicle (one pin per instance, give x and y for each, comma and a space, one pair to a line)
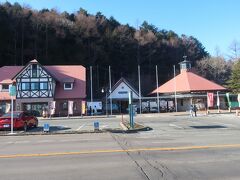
153, 109
21, 120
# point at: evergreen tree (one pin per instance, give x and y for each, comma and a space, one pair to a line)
234, 82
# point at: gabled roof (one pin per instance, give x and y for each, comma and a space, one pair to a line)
34, 61
188, 81
120, 81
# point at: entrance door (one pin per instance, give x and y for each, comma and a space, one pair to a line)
123, 106
35, 108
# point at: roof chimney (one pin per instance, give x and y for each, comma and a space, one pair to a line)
185, 65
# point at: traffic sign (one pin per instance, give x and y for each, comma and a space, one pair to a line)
12, 90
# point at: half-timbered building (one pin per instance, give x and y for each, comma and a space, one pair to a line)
38, 86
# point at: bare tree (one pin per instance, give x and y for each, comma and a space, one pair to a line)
234, 50
216, 69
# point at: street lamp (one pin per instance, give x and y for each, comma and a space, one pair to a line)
105, 90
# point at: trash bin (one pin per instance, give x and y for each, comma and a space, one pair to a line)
96, 126
46, 127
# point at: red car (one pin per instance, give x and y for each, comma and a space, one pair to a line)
21, 120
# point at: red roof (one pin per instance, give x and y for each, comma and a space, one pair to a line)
7, 73
60, 73
187, 81
78, 73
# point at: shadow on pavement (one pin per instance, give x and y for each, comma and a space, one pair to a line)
208, 127
51, 129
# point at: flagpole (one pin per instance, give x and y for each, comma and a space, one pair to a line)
207, 105
175, 88
157, 88
91, 89
139, 90
110, 88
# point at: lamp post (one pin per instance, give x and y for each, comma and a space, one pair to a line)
105, 90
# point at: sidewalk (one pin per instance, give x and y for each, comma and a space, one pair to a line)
77, 117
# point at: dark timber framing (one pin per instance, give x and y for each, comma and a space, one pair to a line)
34, 82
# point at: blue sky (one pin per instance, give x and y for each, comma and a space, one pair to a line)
215, 23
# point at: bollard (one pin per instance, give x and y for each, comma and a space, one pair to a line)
96, 126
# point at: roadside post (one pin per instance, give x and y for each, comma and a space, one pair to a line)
131, 110
96, 126
46, 127
12, 93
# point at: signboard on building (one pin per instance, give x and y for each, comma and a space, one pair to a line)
70, 107
52, 106
83, 107
94, 105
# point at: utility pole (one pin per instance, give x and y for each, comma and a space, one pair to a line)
91, 89
139, 90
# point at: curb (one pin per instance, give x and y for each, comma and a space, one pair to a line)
54, 133
75, 117
144, 128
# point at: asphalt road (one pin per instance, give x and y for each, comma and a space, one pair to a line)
178, 147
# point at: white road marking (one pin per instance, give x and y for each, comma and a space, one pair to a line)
22, 142
104, 126
80, 127
174, 125
77, 140
9, 142
45, 141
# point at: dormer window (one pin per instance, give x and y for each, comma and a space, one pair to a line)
68, 86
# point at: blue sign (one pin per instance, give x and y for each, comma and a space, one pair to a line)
12, 90
96, 125
46, 127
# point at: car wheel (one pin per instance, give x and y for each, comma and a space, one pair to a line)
25, 127
36, 125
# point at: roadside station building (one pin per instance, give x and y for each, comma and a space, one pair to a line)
39, 86
190, 88
120, 95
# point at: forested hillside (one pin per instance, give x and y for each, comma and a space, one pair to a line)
54, 37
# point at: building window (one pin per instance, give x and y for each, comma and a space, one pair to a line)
34, 86
34, 70
68, 86
5, 87
43, 85
25, 86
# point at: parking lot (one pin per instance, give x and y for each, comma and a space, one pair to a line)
160, 123
178, 147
